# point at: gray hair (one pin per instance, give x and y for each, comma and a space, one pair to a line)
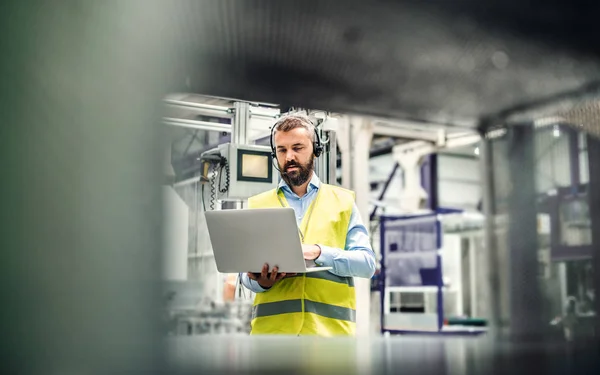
293, 121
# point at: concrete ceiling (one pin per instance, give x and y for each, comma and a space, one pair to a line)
461, 62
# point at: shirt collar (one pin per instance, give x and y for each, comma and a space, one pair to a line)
314, 183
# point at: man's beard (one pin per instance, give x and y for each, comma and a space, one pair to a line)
299, 176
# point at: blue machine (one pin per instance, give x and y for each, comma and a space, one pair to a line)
411, 262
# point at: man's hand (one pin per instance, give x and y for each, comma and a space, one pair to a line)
266, 279
311, 252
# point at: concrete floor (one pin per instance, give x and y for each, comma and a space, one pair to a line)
392, 355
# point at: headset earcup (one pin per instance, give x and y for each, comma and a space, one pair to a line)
317, 150
317, 147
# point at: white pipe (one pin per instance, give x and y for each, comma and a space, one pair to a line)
196, 124
209, 109
392, 131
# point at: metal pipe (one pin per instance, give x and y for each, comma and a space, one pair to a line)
392, 131
525, 302
263, 115
196, 124
240, 123
489, 278
332, 145
209, 109
384, 190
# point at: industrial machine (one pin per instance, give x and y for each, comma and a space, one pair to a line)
244, 170
428, 268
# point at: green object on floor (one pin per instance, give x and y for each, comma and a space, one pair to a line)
471, 322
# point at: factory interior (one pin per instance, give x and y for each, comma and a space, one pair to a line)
469, 133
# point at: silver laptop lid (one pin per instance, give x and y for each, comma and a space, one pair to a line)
243, 240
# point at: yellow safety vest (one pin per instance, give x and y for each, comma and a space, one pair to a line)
316, 303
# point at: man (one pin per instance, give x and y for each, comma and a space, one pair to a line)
318, 303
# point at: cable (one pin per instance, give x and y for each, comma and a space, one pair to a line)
196, 214
213, 187
224, 163
203, 200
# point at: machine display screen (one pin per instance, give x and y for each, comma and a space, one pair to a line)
254, 166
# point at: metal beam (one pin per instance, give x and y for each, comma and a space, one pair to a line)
525, 297
429, 180
451, 142
196, 124
220, 111
397, 131
384, 190
207, 109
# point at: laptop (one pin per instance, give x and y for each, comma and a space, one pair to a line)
243, 240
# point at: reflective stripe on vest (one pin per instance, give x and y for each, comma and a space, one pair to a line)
329, 300
295, 306
326, 275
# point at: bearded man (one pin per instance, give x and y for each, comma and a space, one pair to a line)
333, 235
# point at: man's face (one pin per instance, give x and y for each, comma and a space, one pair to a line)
295, 157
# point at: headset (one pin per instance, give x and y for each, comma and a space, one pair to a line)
317, 146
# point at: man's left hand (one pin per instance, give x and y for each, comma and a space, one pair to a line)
311, 252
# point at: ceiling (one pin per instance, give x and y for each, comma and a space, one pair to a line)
454, 64
460, 63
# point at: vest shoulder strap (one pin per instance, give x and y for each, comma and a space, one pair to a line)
265, 199
269, 197
344, 195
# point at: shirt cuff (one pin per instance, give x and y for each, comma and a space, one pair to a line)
256, 287
328, 254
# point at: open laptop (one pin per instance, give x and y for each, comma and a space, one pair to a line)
243, 240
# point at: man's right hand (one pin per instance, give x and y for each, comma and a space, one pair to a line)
265, 278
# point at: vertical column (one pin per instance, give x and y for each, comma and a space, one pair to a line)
361, 133
332, 155
574, 158
429, 180
241, 119
355, 142
524, 290
488, 304
239, 130
354, 137
344, 135
593, 145
326, 164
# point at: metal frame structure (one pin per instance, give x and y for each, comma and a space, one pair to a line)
594, 201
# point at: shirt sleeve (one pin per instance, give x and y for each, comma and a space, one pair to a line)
252, 285
357, 259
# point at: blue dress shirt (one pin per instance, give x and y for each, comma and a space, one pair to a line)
356, 260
